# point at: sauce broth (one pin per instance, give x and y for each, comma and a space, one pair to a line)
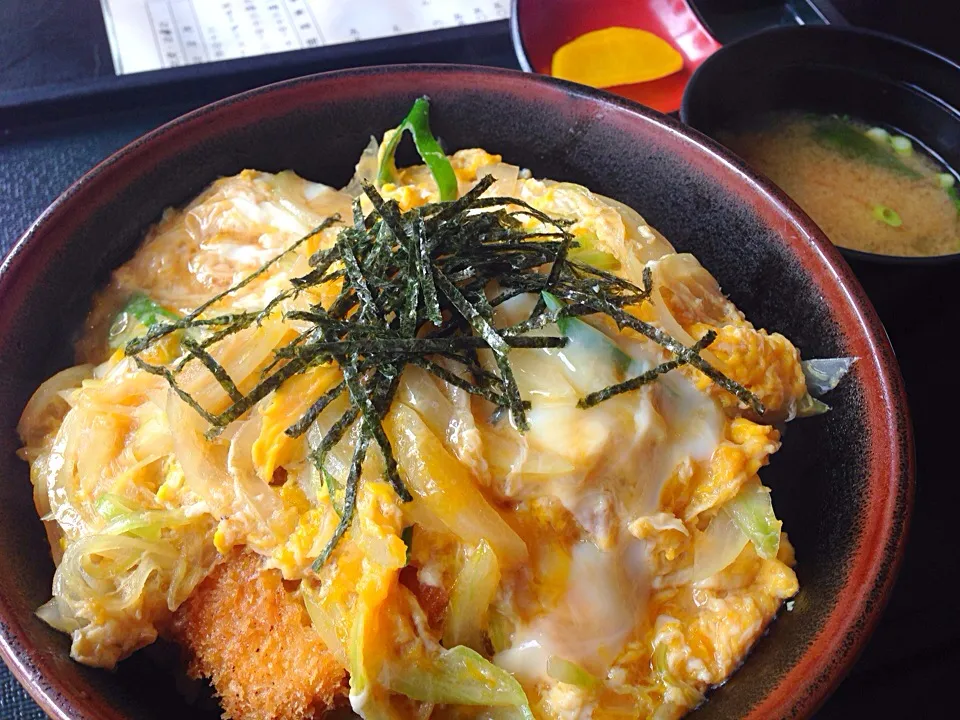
868, 189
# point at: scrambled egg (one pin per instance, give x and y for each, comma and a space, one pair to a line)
593, 558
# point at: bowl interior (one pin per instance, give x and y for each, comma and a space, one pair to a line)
841, 483
871, 77
542, 26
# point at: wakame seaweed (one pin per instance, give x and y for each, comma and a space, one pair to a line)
841, 136
415, 291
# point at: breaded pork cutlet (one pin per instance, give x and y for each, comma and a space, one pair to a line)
242, 629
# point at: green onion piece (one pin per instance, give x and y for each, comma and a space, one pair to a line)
500, 630
133, 320
147, 311
507, 712
661, 667
569, 672
125, 519
809, 406
595, 258
901, 145
323, 622
417, 122
586, 336
946, 180
112, 506
459, 676
878, 135
407, 536
362, 694
588, 253
335, 488
887, 215
752, 510
473, 591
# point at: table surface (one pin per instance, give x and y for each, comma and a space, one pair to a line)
915, 651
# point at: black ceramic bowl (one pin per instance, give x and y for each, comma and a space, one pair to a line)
842, 482
876, 78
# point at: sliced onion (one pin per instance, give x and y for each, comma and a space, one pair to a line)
47, 404
647, 242
717, 547
308, 202
695, 288
665, 318
619, 228
569, 672
505, 179
251, 489
445, 488
824, 374
366, 169
324, 625
203, 461
240, 354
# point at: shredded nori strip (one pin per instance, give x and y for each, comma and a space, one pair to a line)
416, 285
334, 434
349, 501
319, 405
649, 376
688, 355
156, 332
428, 285
215, 368
372, 427
172, 381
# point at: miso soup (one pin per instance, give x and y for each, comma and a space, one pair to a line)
867, 188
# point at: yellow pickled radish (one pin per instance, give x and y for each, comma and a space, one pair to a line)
616, 56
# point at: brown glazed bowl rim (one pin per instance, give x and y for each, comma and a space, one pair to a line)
877, 554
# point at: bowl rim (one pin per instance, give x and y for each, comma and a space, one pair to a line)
832, 31
519, 49
848, 626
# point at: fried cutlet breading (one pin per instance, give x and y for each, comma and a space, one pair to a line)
242, 629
